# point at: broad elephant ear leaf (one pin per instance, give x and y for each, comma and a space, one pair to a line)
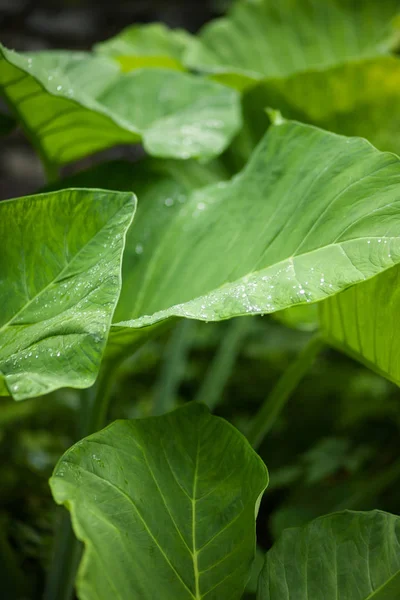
73, 104
337, 70
176, 496
149, 46
312, 214
60, 266
7, 123
313, 34
349, 555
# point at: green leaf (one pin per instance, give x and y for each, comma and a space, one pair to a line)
148, 46
310, 215
72, 104
162, 187
165, 506
309, 34
349, 555
359, 98
362, 321
60, 269
335, 72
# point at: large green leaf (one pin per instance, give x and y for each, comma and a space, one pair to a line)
325, 63
148, 46
72, 104
310, 215
165, 506
349, 555
60, 278
264, 38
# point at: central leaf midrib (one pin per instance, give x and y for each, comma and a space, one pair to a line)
159, 314
143, 520
195, 551
382, 587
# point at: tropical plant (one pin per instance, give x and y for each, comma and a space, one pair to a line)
255, 197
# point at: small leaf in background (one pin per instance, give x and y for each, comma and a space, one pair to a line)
338, 70
175, 497
349, 555
147, 46
60, 266
313, 35
72, 104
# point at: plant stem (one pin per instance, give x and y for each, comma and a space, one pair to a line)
274, 404
173, 366
67, 551
210, 392
66, 556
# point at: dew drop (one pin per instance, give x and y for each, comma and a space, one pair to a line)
59, 88
169, 202
139, 249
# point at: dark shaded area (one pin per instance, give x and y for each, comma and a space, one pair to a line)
77, 25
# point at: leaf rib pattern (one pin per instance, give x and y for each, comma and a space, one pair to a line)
201, 544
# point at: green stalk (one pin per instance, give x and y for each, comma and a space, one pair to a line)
67, 553
210, 392
173, 367
94, 403
276, 401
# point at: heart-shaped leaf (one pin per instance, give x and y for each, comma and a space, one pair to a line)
312, 214
148, 46
73, 104
349, 555
176, 497
60, 278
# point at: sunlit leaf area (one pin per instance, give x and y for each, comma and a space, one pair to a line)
199, 300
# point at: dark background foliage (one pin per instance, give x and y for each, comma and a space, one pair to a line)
336, 444
77, 25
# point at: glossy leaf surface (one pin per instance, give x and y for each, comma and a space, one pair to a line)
310, 215
60, 266
349, 555
73, 104
148, 46
175, 497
